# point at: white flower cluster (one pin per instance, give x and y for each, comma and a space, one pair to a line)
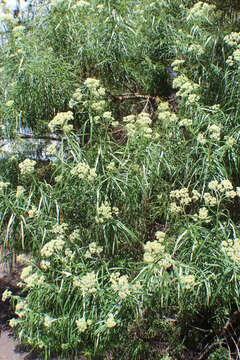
18, 29
154, 249
98, 106
111, 167
60, 121
6, 295
232, 249
203, 214
138, 125
185, 123
3, 186
218, 192
21, 308
120, 284
196, 49
51, 149
182, 199
201, 139
74, 236
31, 278
9, 103
83, 171
214, 132
86, 283
76, 98
105, 212
110, 322
187, 281
82, 324
60, 229
176, 64
27, 167
33, 212
13, 323
52, 247
165, 115
187, 89
8, 18
45, 265
48, 320
80, 4
93, 249
230, 141
233, 40
94, 87
200, 11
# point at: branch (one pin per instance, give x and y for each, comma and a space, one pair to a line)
133, 96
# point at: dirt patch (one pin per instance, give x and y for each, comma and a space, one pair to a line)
8, 345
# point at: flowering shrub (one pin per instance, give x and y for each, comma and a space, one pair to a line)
134, 219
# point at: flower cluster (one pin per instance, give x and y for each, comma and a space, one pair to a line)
182, 199
214, 132
60, 121
33, 212
93, 249
232, 249
80, 4
224, 188
6, 295
201, 139
21, 308
51, 149
203, 214
27, 167
3, 186
111, 167
138, 125
60, 229
48, 320
230, 141
200, 11
120, 284
232, 39
94, 87
187, 281
82, 324
74, 236
52, 247
187, 89
98, 106
165, 115
177, 63
196, 49
185, 123
9, 103
76, 98
31, 278
154, 249
105, 212
110, 322
83, 171
86, 283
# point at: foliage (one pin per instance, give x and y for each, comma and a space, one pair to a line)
135, 219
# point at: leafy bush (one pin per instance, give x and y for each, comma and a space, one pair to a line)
135, 219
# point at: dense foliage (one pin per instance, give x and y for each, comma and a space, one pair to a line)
131, 230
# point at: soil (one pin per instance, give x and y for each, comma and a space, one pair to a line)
8, 345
